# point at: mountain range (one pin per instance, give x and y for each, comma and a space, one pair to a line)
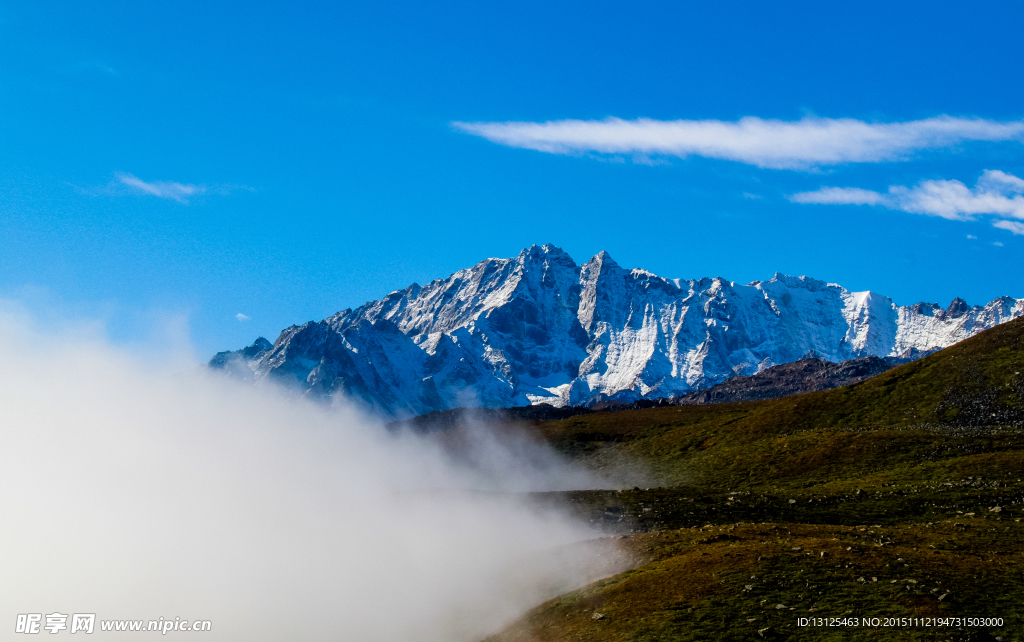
538, 328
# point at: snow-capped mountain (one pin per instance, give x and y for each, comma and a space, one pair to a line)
538, 328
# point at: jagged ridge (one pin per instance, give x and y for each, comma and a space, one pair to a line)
539, 328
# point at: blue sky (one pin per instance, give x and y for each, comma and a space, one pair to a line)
286, 160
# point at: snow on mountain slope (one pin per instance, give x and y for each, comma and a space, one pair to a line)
540, 328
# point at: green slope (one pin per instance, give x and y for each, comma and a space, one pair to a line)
957, 410
910, 480
754, 581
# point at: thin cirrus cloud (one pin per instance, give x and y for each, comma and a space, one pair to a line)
1012, 226
802, 144
161, 189
995, 193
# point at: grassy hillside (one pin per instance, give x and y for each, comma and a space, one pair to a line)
957, 411
897, 497
753, 581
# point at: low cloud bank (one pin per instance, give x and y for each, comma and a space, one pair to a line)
135, 493
803, 144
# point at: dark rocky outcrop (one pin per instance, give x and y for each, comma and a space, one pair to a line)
806, 375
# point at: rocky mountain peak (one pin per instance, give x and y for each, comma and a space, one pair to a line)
539, 328
957, 308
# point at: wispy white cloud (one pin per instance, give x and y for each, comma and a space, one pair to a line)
802, 144
840, 196
1012, 226
162, 189
995, 193
94, 65
241, 317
